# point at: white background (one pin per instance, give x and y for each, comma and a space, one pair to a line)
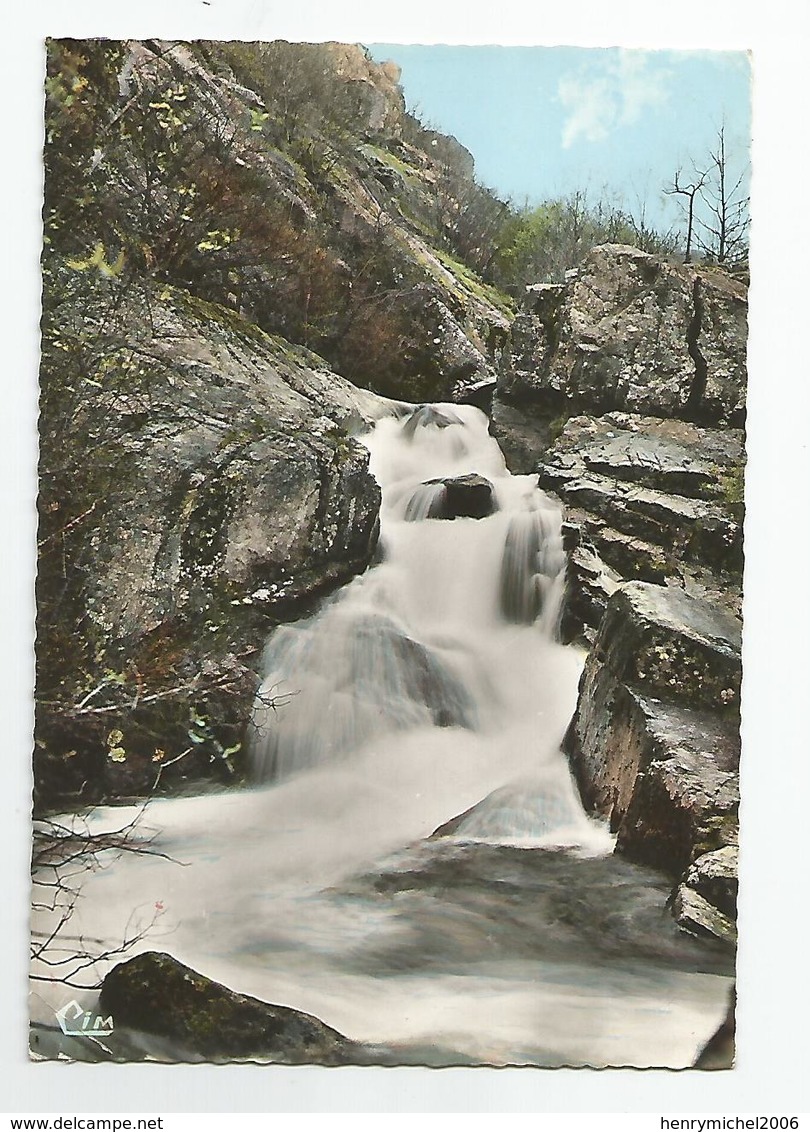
773, 997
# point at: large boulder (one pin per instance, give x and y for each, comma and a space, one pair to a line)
684, 796
698, 916
373, 88
454, 497
522, 435
654, 742
241, 484
630, 331
705, 903
156, 994
229, 495
714, 876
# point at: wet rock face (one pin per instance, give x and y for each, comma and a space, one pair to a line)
455, 497
654, 743
157, 994
648, 500
467, 496
696, 915
424, 415
714, 876
705, 904
259, 496
672, 645
628, 331
238, 498
522, 436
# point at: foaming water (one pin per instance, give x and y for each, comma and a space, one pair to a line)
453, 630
429, 696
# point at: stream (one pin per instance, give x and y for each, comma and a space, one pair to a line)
428, 694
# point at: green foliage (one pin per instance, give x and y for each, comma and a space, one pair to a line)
557, 426
296, 84
475, 285
540, 244
98, 260
150, 176
733, 486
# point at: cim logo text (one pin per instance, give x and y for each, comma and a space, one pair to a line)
77, 1022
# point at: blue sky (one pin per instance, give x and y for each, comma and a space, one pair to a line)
544, 121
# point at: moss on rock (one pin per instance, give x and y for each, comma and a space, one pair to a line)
157, 994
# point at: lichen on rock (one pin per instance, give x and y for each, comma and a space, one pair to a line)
654, 744
157, 994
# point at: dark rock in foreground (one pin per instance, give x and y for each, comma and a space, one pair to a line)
157, 994
705, 904
714, 876
718, 1053
700, 918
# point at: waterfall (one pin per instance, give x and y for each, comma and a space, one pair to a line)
452, 631
426, 502
533, 568
428, 697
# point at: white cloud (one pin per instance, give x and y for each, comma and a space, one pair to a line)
592, 108
611, 93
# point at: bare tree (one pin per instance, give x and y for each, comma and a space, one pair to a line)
62, 858
689, 192
725, 233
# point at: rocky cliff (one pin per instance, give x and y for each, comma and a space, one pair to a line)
238, 237
646, 499
624, 388
285, 181
655, 743
632, 332
233, 494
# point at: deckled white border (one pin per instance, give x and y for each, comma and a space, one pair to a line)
773, 955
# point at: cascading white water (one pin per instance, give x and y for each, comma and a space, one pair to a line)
430, 692
453, 629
